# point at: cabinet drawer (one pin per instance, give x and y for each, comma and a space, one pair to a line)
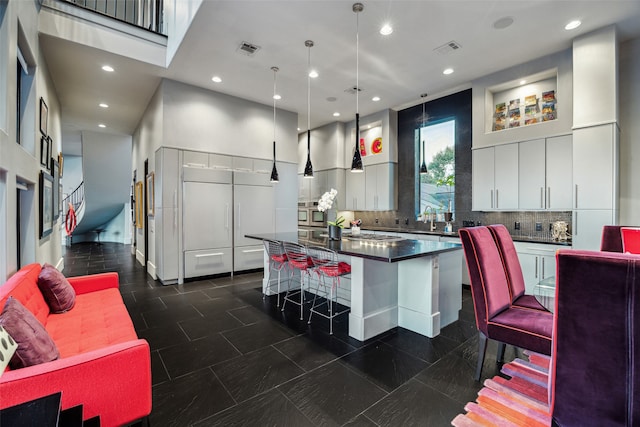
248, 257
207, 262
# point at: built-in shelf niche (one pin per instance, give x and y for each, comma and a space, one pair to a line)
539, 112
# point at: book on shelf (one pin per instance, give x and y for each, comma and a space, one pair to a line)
549, 96
501, 107
514, 104
530, 100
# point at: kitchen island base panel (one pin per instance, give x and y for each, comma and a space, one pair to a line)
418, 289
450, 288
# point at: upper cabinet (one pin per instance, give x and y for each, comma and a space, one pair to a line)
380, 191
595, 167
494, 176
355, 191
545, 174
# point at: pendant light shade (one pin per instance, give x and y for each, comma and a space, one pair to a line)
274, 170
308, 169
356, 162
423, 166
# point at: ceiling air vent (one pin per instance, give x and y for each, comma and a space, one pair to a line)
352, 90
248, 49
448, 48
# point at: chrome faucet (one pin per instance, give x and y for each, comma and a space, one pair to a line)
432, 227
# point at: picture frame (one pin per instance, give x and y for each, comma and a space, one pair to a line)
150, 193
46, 204
49, 155
61, 163
44, 150
139, 205
56, 194
44, 116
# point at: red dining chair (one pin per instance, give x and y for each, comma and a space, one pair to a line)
630, 240
496, 317
594, 375
512, 267
297, 259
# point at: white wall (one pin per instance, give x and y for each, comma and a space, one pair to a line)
327, 147
629, 98
23, 162
389, 121
72, 174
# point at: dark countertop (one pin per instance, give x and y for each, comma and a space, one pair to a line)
379, 251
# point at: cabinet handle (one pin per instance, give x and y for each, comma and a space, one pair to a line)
209, 255
548, 197
536, 267
576, 197
226, 216
541, 198
175, 208
497, 200
491, 199
543, 276
239, 217
246, 251
574, 230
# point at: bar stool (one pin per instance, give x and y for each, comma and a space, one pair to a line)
298, 260
277, 261
327, 265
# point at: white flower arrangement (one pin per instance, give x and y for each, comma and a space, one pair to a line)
326, 202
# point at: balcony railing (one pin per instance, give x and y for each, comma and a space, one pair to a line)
145, 14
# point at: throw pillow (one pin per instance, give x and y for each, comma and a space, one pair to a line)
34, 343
56, 290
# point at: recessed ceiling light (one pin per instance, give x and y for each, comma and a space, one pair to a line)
336, 114
572, 25
503, 23
103, 105
108, 68
313, 74
447, 71
216, 79
522, 82
298, 129
386, 30
102, 125
375, 99
276, 96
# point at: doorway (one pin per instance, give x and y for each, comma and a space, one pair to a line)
146, 218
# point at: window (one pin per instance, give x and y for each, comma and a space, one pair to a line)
437, 186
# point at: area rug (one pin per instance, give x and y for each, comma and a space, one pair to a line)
521, 400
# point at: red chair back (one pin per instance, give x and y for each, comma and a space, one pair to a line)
630, 240
509, 259
489, 285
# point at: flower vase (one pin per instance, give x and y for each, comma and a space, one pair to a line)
335, 232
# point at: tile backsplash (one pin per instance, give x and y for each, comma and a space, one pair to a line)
526, 219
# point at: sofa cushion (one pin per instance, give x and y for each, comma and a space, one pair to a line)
34, 343
23, 286
98, 319
56, 290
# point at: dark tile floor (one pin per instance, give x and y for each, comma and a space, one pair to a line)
223, 356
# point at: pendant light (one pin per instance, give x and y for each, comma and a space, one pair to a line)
308, 169
356, 163
274, 171
423, 166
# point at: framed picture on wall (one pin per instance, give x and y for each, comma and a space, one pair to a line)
49, 149
44, 150
150, 190
44, 116
139, 205
60, 163
46, 204
56, 194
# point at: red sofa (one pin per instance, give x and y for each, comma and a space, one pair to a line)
102, 365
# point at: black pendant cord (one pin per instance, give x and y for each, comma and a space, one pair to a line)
308, 169
274, 170
356, 163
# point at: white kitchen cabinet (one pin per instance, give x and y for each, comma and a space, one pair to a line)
586, 227
482, 166
355, 191
545, 174
195, 159
506, 177
220, 161
538, 262
207, 215
167, 231
495, 178
595, 169
254, 214
531, 174
336, 179
559, 172
318, 185
380, 194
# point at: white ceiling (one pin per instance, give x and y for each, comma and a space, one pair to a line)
398, 68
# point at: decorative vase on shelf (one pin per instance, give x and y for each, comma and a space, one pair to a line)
335, 232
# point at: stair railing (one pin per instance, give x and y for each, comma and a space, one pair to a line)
75, 198
145, 14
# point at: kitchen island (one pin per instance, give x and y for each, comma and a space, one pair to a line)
413, 284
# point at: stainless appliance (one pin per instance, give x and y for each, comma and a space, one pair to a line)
310, 216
